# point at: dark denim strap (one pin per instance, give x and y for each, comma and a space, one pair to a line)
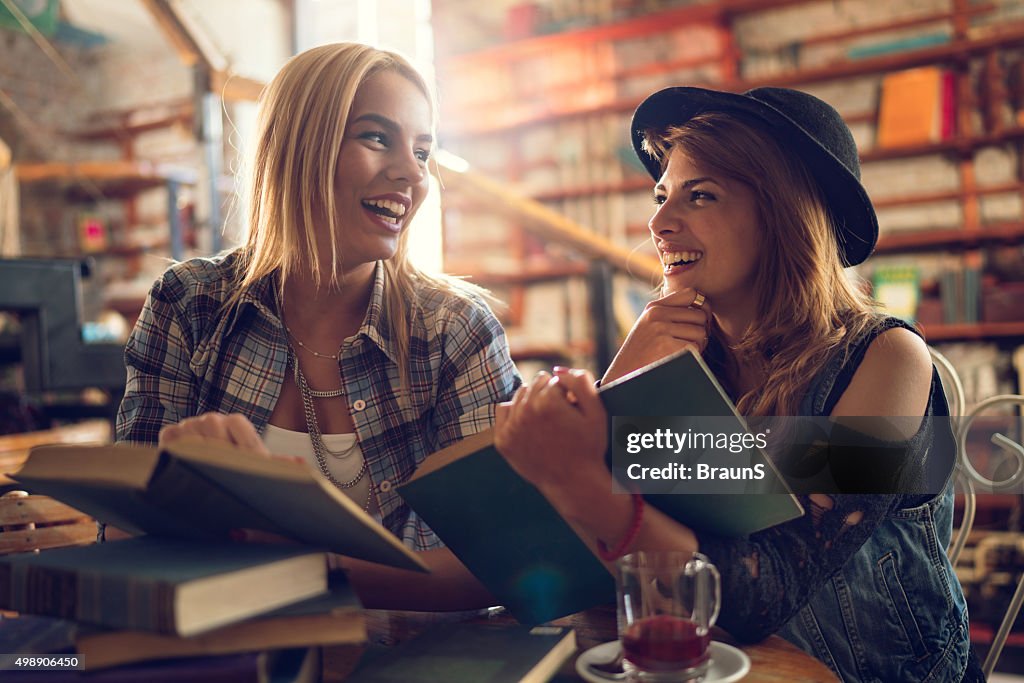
837, 374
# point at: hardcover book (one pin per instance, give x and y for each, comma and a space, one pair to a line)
473, 653
915, 107
333, 618
171, 586
515, 542
204, 489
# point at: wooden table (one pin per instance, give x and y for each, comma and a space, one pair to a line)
772, 661
14, 448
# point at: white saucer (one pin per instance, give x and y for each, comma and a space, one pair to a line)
727, 663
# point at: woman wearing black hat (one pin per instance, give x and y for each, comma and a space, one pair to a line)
759, 209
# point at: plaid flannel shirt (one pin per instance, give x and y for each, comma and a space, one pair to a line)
187, 356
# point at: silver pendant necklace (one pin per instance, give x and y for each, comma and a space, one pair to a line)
320, 449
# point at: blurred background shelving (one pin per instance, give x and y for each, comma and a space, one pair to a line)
124, 149
547, 112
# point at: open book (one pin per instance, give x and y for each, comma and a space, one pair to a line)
524, 552
203, 489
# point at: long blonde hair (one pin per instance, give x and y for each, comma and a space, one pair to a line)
807, 308
302, 118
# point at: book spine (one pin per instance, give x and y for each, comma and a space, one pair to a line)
67, 594
948, 109
972, 293
947, 292
120, 602
33, 591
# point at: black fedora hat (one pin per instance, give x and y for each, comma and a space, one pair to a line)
801, 122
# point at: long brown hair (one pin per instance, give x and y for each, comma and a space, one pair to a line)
807, 308
303, 113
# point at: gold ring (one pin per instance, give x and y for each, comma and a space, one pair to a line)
698, 300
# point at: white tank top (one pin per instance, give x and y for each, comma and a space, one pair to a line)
343, 467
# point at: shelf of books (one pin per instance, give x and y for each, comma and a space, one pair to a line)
204, 596
933, 92
119, 211
962, 331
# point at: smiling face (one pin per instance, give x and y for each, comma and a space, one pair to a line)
382, 174
707, 232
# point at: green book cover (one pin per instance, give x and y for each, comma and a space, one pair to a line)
516, 543
683, 385
472, 653
951, 291
165, 585
972, 294
509, 536
204, 489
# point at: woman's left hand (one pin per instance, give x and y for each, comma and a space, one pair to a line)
554, 430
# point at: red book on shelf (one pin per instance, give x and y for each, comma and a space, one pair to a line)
948, 106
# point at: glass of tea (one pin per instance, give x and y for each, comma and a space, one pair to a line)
667, 603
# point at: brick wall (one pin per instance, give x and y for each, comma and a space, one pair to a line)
46, 100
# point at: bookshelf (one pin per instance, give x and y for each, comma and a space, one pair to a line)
75, 193
123, 213
124, 125
113, 179
547, 116
712, 16
973, 331
953, 238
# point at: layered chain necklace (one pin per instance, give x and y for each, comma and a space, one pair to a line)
320, 449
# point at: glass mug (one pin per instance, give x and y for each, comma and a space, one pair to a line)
667, 603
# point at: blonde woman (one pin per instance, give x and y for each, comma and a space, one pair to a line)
318, 337
758, 210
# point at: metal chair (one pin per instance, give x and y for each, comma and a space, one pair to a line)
970, 480
954, 389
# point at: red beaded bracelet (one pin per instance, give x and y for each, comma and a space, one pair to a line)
627, 540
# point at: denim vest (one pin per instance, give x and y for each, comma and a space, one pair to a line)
895, 611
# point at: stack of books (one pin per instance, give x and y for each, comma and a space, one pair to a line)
180, 589
284, 641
